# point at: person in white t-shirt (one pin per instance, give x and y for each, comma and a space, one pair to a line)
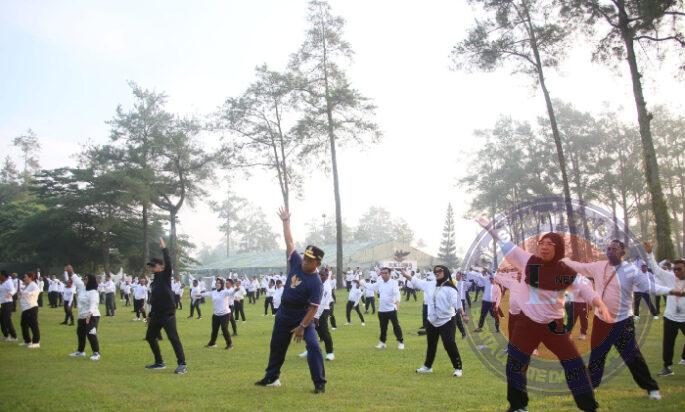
68, 298
269, 301
28, 301
388, 303
88, 316
220, 299
278, 295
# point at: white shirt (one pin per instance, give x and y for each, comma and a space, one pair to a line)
240, 293
443, 301
369, 290
139, 292
388, 294
195, 293
109, 287
7, 290
270, 292
68, 294
675, 305
29, 297
484, 282
220, 300
355, 295
88, 304
278, 295
326, 299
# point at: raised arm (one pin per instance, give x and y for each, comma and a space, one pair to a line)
284, 214
514, 254
167, 259
662, 276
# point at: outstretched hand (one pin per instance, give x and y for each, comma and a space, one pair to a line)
298, 333
284, 214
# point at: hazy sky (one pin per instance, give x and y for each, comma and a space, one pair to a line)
65, 67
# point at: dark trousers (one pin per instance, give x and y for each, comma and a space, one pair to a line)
52, 299
485, 308
167, 322
383, 318
479, 289
269, 301
370, 301
6, 320
621, 335
250, 298
526, 337
578, 310
234, 326
446, 333
127, 299
424, 316
220, 321
348, 285
68, 313
286, 321
239, 311
29, 320
657, 301
671, 329
332, 317
139, 307
348, 311
322, 330
195, 306
411, 292
110, 306
179, 304
460, 325
636, 303
89, 330
468, 299
40, 300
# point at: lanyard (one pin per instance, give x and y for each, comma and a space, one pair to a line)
613, 275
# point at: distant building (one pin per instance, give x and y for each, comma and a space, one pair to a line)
363, 254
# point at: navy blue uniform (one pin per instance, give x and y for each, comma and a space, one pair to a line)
300, 292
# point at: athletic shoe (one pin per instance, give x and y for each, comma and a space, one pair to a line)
330, 356
457, 373
95, 357
363, 324
381, 345
63, 323
424, 369
303, 354
156, 366
10, 339
210, 346
348, 324
181, 370
33, 345
478, 330
636, 318
190, 317
78, 354
656, 317
582, 337
229, 346
682, 361
655, 395
320, 388
333, 328
400, 346
23, 344
667, 371
271, 383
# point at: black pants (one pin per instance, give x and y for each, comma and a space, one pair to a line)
468, 299
479, 289
269, 301
250, 298
348, 311
424, 316
671, 329
334, 325
621, 335
446, 333
411, 292
657, 301
239, 311
348, 285
322, 330
384, 317
40, 300
488, 307
52, 299
179, 304
68, 313
370, 301
89, 331
127, 299
195, 305
460, 325
139, 307
29, 320
167, 322
220, 321
234, 326
110, 306
636, 303
6, 320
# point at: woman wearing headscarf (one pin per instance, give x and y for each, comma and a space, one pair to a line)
444, 305
88, 316
220, 303
546, 278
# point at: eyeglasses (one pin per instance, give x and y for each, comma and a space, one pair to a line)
542, 243
438, 270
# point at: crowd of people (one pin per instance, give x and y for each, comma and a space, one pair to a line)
548, 295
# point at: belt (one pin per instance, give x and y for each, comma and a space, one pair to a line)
294, 306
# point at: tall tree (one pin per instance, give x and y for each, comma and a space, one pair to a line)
526, 34
30, 148
377, 224
644, 23
333, 111
229, 211
448, 248
256, 235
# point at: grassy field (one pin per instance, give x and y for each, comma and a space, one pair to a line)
361, 377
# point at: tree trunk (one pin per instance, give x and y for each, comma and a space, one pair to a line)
626, 222
614, 217
664, 242
586, 250
105, 254
146, 234
642, 220
173, 240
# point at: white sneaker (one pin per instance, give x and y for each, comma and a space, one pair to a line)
655, 395
424, 369
656, 318
275, 384
457, 373
582, 337
33, 345
381, 345
400, 346
348, 324
333, 328
10, 339
363, 324
23, 344
211, 346
303, 354
682, 362
78, 354
330, 357
95, 357
636, 317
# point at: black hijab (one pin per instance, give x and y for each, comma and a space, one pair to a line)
446, 279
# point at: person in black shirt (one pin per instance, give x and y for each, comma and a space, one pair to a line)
163, 312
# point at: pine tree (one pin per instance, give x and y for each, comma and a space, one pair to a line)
448, 248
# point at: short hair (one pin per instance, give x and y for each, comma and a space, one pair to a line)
623, 245
386, 269
278, 282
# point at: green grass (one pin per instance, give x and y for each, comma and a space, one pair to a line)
361, 377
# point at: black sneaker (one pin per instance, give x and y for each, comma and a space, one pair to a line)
320, 388
156, 366
229, 346
181, 369
667, 371
268, 382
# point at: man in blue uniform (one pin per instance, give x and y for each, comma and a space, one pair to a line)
301, 298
